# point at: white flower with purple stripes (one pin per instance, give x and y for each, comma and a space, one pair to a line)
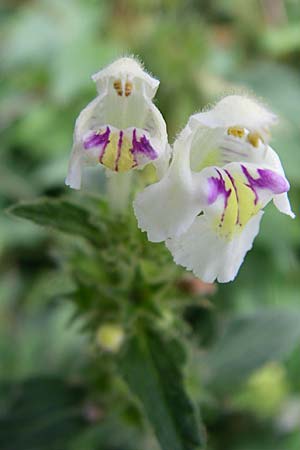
209, 204
121, 129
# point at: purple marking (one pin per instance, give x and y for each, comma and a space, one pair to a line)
143, 146
217, 187
267, 180
120, 142
95, 140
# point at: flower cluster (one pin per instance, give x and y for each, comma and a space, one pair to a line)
209, 198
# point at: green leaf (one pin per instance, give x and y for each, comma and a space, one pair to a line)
62, 215
40, 414
112, 433
151, 368
249, 342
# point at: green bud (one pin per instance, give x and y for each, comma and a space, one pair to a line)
110, 337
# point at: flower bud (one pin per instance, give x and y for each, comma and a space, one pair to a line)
110, 337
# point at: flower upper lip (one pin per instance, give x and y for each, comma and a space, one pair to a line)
127, 68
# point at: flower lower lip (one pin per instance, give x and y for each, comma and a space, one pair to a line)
267, 179
121, 150
143, 147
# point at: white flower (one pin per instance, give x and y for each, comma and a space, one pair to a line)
121, 128
209, 204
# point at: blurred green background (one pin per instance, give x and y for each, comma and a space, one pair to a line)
199, 50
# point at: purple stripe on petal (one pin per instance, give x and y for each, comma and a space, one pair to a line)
143, 147
267, 179
120, 142
217, 187
96, 139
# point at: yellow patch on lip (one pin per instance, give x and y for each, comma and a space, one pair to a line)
239, 210
226, 222
236, 132
117, 155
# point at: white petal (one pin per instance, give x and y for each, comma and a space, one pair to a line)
165, 209
270, 159
88, 118
168, 208
206, 148
266, 156
236, 110
210, 256
155, 125
126, 68
282, 203
74, 176
162, 163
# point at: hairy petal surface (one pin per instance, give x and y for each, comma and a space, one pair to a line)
236, 111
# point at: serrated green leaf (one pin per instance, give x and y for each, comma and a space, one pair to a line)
249, 342
60, 214
151, 368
